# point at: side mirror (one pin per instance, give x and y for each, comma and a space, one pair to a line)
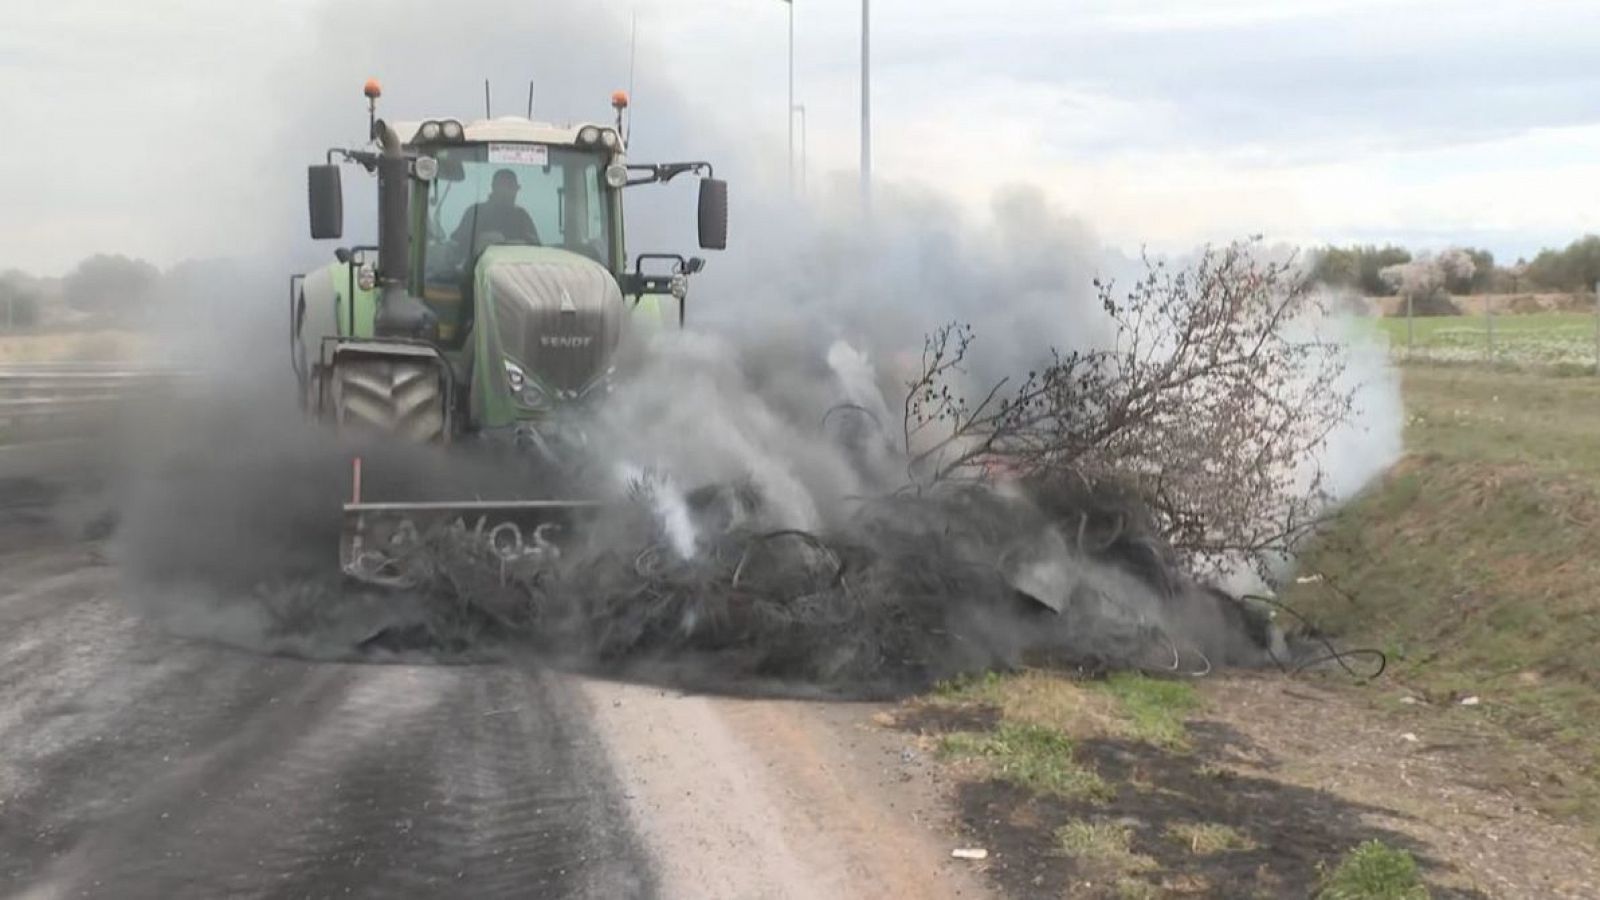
713, 214
326, 202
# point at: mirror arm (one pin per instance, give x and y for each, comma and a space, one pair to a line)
665, 172
675, 258
366, 159
636, 284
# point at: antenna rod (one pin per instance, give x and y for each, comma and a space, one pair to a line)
633, 56
530, 98
486, 113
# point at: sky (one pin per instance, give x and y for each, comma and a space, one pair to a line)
178, 128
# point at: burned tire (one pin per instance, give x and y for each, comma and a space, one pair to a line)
403, 397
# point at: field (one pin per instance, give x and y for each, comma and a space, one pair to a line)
71, 346
1475, 562
1559, 341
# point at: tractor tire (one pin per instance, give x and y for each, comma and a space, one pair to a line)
401, 397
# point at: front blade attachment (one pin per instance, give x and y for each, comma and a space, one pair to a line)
377, 538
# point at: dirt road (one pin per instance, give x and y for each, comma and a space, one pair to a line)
135, 764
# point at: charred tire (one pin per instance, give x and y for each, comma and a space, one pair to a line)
402, 397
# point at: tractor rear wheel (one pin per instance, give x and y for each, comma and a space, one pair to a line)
402, 397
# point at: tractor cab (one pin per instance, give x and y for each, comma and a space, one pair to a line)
533, 186
501, 256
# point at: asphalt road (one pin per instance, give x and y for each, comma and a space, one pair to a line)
134, 764
138, 764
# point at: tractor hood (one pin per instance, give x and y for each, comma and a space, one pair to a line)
553, 313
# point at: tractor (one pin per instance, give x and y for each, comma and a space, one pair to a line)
492, 305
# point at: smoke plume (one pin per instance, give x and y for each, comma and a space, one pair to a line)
760, 524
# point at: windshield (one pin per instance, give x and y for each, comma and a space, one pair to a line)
488, 194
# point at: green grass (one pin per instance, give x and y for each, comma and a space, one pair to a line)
1475, 415
971, 688
1103, 844
1475, 564
1533, 340
1154, 708
1208, 838
1033, 757
1375, 871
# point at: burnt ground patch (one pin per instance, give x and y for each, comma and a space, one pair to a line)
942, 719
1283, 835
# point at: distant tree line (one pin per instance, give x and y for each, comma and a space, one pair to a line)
1360, 267
108, 288
20, 300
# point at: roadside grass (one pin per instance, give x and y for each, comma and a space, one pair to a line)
1540, 341
1033, 757
1041, 714
1106, 849
1208, 838
1153, 709
1104, 788
1104, 843
1475, 564
1375, 871
1124, 704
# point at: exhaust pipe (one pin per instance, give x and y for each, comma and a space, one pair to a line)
394, 196
399, 314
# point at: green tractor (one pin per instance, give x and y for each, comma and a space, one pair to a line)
493, 303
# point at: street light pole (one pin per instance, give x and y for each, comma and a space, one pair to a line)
801, 109
866, 105
790, 4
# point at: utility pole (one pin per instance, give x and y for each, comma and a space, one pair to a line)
866, 106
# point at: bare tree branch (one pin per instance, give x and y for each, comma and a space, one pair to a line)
1210, 404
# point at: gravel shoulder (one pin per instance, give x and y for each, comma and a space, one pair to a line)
781, 799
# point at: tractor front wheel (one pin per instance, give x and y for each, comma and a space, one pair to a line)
402, 397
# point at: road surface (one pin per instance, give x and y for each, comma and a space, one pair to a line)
136, 764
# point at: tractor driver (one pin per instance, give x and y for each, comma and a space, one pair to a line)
498, 214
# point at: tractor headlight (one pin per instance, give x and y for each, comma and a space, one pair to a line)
366, 277
426, 168
617, 175
452, 130
588, 135
430, 131
525, 389
679, 286
609, 139
515, 377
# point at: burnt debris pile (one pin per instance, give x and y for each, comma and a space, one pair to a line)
909, 588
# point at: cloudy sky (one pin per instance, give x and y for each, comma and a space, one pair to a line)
174, 128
